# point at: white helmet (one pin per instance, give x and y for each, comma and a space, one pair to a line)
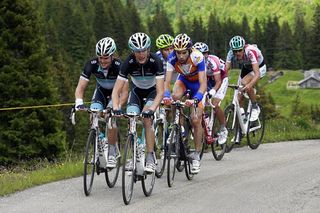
182, 42
202, 47
105, 47
139, 42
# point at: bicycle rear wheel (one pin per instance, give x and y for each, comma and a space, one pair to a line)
255, 130
232, 126
160, 148
111, 175
218, 150
89, 162
128, 171
148, 181
172, 155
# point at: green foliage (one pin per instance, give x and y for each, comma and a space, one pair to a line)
27, 133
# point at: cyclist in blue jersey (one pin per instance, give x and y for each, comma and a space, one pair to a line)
190, 65
147, 77
105, 67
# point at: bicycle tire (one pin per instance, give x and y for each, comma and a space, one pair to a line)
231, 125
128, 172
148, 181
255, 137
218, 150
172, 155
160, 148
186, 150
111, 176
89, 158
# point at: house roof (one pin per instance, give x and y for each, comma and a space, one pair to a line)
306, 79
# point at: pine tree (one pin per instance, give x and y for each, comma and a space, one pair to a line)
300, 38
314, 57
271, 33
246, 29
286, 55
25, 80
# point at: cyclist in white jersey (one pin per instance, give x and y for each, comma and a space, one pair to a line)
252, 68
217, 82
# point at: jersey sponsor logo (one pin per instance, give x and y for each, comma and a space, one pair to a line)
131, 61
117, 63
152, 60
94, 62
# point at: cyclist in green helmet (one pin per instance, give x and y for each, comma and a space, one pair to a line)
253, 68
164, 44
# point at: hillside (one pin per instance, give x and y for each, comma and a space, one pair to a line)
233, 9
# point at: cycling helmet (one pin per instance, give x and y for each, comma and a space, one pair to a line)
202, 47
182, 42
105, 47
164, 41
139, 42
237, 43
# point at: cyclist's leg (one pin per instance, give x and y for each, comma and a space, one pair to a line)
149, 130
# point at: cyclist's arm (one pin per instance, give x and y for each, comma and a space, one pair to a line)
160, 92
218, 82
124, 93
169, 72
120, 82
228, 66
256, 76
81, 87
203, 82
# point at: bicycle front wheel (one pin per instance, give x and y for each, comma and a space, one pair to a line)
255, 130
160, 148
128, 171
232, 126
89, 162
172, 155
111, 175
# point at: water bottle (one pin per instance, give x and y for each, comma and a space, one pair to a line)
140, 156
103, 152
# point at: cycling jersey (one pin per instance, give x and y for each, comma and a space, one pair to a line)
215, 66
143, 76
252, 55
106, 78
195, 64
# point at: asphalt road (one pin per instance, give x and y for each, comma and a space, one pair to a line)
279, 177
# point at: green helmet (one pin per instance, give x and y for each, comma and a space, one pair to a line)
164, 41
237, 43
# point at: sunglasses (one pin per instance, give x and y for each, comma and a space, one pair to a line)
235, 51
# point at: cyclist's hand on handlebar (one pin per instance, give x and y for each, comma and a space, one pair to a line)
79, 105
167, 101
117, 112
191, 102
148, 114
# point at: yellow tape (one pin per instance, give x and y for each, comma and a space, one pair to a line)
36, 107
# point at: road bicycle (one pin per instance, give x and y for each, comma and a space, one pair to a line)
210, 131
133, 162
161, 135
179, 148
239, 125
96, 152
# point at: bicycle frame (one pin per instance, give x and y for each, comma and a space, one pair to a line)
210, 138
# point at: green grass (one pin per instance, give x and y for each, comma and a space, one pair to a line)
16, 181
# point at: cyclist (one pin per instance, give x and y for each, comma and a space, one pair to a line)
217, 82
164, 44
190, 65
146, 71
252, 69
105, 67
